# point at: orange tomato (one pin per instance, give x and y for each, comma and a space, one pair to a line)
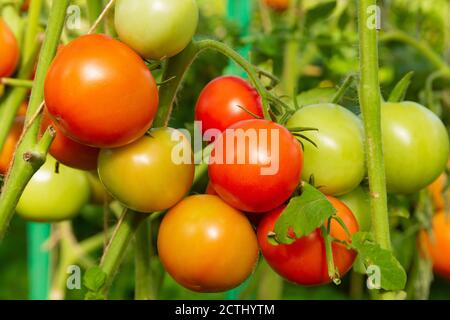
10, 145
440, 198
206, 245
437, 245
100, 93
9, 53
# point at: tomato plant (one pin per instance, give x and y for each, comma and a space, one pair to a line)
9, 55
304, 261
53, 197
416, 146
269, 165
100, 93
437, 244
142, 175
337, 163
68, 151
206, 245
173, 24
8, 150
225, 101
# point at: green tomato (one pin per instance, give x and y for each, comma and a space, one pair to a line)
151, 174
359, 203
337, 163
156, 29
416, 146
53, 197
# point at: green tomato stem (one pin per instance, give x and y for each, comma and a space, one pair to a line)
115, 251
343, 89
329, 253
17, 82
15, 97
22, 171
371, 111
142, 258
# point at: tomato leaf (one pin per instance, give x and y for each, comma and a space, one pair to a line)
399, 92
303, 215
94, 279
380, 264
315, 96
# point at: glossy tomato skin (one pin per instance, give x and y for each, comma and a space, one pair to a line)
100, 93
9, 53
172, 23
416, 146
358, 201
220, 103
338, 162
6, 155
437, 246
304, 261
144, 176
277, 5
53, 197
206, 245
257, 179
68, 151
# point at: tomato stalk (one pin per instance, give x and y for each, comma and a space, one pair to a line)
95, 8
143, 248
11, 104
16, 82
21, 170
371, 110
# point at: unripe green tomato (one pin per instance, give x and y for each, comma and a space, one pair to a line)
416, 146
147, 175
156, 29
359, 203
337, 163
53, 197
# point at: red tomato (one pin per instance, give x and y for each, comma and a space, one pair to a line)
260, 167
68, 151
210, 190
6, 155
100, 93
304, 261
221, 101
9, 53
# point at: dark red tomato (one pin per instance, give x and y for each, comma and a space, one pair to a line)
221, 103
304, 262
9, 50
256, 165
68, 151
100, 93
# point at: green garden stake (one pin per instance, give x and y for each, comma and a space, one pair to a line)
239, 11
38, 261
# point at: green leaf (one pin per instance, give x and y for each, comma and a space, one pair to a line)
316, 95
392, 274
303, 215
94, 279
399, 92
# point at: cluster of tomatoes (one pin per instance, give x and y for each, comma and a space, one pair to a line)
102, 99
